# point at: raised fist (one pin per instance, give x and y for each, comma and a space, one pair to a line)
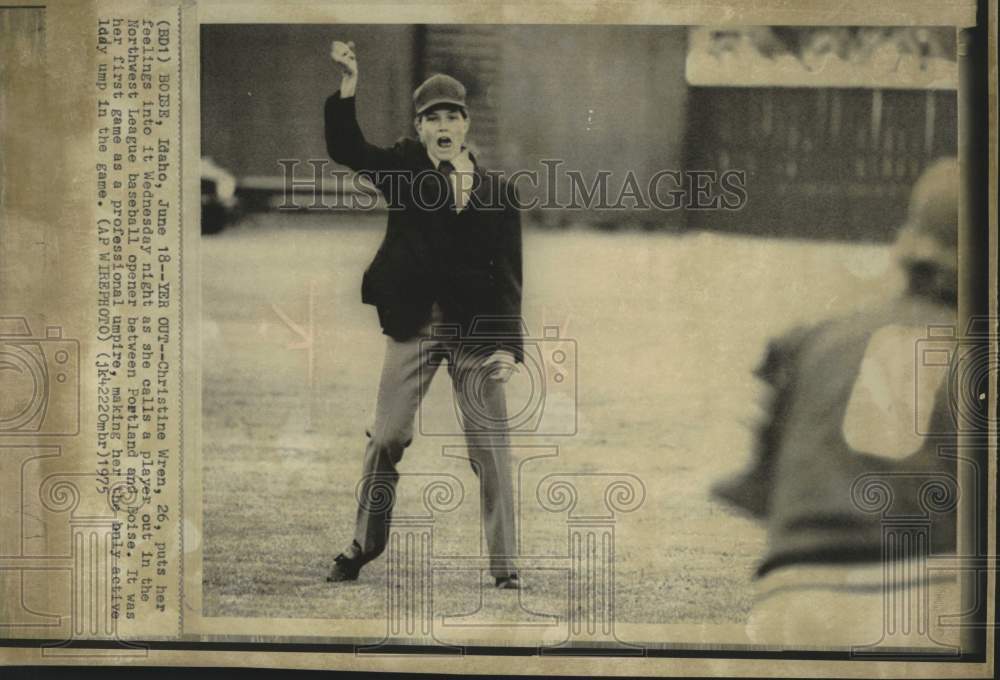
343, 56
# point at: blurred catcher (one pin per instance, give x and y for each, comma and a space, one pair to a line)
855, 470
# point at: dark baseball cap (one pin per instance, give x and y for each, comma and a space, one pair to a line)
436, 90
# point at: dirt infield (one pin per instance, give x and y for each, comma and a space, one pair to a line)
667, 330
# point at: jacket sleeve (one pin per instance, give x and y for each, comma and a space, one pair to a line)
508, 274
347, 145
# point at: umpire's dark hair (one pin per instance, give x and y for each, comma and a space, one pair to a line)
449, 107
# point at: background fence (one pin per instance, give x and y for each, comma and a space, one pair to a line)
827, 162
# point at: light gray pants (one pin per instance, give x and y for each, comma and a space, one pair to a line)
407, 371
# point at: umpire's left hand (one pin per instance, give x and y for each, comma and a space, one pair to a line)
501, 365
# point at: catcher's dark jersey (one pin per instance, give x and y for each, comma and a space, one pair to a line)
857, 437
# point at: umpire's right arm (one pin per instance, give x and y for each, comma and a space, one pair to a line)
345, 142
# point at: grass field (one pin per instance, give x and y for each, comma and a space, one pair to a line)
667, 330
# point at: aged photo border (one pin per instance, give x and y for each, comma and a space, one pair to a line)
665, 649
977, 266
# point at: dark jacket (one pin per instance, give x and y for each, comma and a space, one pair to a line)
469, 263
823, 498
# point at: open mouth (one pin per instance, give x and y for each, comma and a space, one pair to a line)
444, 143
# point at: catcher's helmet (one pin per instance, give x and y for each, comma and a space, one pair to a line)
929, 237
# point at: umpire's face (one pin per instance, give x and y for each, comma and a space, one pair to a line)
442, 130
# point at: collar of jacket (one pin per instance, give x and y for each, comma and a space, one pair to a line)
468, 152
479, 188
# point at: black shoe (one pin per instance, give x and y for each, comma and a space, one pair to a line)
346, 566
511, 582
